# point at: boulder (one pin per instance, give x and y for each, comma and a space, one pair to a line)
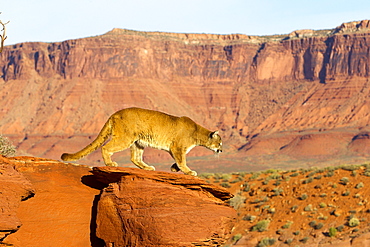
147, 208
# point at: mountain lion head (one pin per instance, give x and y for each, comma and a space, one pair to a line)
214, 142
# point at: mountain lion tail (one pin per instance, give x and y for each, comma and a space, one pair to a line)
99, 141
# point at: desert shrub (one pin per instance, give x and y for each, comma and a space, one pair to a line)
353, 222
271, 210
344, 180
329, 174
346, 193
332, 232
278, 191
308, 180
360, 185
249, 218
6, 147
294, 174
222, 176
304, 240
308, 208
296, 233
304, 196
206, 175
367, 171
246, 187
266, 181
225, 184
288, 241
350, 167
312, 224
340, 228
277, 182
322, 205
237, 201
287, 224
261, 226
294, 208
318, 226
238, 179
237, 237
275, 176
255, 175
266, 242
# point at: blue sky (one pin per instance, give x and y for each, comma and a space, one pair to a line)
50, 20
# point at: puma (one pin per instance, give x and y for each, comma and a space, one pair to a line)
137, 128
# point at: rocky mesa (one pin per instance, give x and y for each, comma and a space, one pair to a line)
265, 93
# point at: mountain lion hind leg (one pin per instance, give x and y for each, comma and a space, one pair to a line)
137, 157
113, 146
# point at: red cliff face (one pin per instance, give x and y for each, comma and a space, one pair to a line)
243, 85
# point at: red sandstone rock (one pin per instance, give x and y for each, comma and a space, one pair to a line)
60, 213
14, 188
146, 208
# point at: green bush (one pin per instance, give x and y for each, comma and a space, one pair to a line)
308, 208
6, 147
303, 196
340, 228
360, 185
319, 226
332, 231
344, 180
353, 222
237, 201
249, 218
294, 208
261, 226
206, 175
266, 242
225, 185
287, 224
304, 240
237, 237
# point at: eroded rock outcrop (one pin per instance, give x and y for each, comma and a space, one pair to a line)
14, 188
146, 208
60, 213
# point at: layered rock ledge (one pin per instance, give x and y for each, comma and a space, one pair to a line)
146, 208
14, 188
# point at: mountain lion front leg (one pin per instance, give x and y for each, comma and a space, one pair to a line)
137, 157
179, 155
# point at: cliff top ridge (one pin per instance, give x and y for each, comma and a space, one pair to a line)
197, 38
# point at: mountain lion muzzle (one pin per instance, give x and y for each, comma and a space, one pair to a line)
137, 128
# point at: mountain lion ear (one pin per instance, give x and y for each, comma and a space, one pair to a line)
214, 134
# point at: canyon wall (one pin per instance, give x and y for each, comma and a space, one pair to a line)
56, 96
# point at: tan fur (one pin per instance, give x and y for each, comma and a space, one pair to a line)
137, 128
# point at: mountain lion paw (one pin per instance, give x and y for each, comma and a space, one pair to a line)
175, 168
149, 168
192, 173
112, 164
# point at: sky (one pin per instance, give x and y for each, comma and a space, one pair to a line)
52, 21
